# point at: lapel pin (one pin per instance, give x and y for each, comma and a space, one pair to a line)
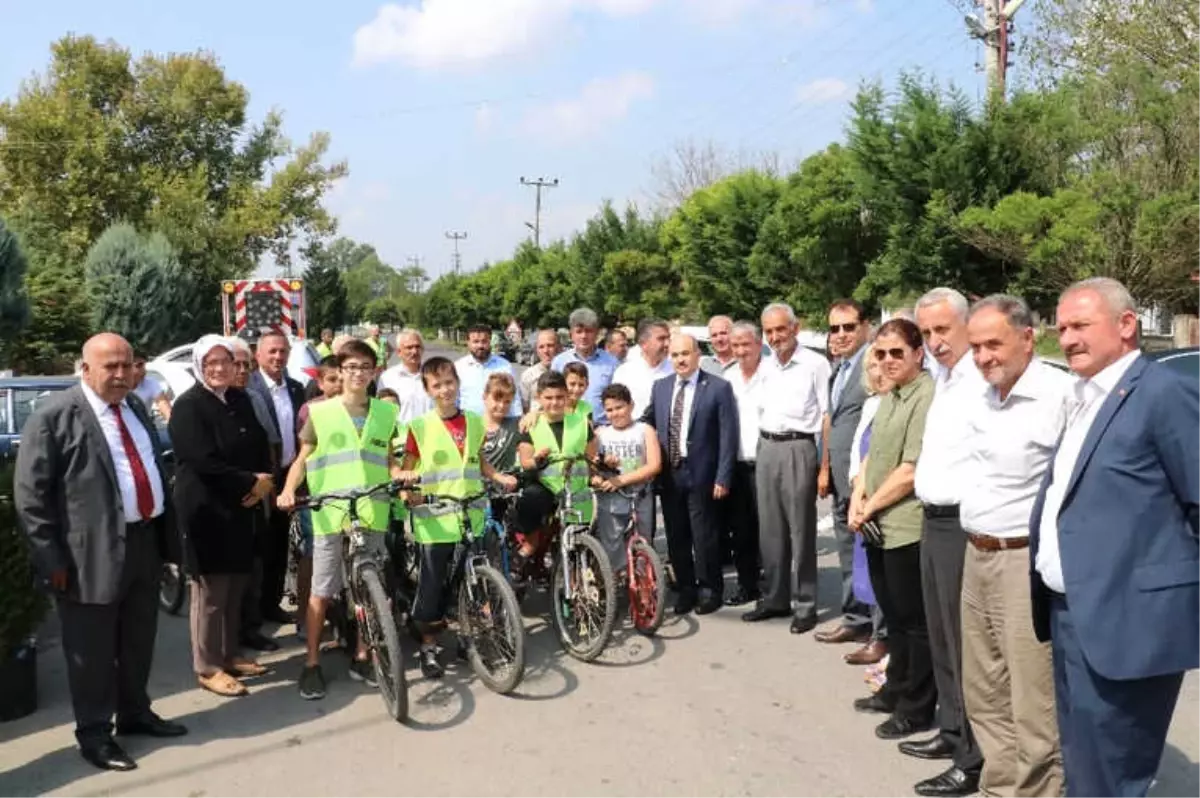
1121, 392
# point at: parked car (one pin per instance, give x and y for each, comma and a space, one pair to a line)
1184, 361
303, 363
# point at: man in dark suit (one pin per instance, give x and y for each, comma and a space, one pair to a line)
1115, 553
848, 333
696, 419
91, 495
283, 398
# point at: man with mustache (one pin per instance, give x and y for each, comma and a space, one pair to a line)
940, 484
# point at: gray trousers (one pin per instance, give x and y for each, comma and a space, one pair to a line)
943, 551
214, 620
786, 480
109, 647
855, 614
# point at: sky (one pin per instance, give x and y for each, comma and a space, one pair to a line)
441, 106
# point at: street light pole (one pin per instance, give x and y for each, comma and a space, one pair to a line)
538, 185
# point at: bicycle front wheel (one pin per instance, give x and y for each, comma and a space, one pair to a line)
491, 623
384, 642
171, 585
647, 587
585, 620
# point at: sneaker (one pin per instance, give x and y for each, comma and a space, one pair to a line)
431, 668
362, 670
312, 683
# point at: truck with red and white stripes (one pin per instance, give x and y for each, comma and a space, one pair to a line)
250, 307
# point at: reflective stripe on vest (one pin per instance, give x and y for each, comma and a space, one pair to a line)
574, 444
346, 459
399, 508
446, 471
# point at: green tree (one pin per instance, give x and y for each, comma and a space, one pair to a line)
137, 288
384, 310
14, 302
639, 285
325, 298
163, 143
710, 237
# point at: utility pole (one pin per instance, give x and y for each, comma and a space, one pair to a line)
995, 32
538, 185
456, 237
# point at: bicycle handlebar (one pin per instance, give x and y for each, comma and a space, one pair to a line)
391, 487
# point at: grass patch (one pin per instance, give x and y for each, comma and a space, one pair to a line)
1046, 345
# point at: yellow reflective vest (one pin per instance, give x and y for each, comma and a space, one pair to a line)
345, 459
446, 471
574, 443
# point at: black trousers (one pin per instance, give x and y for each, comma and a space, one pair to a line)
742, 509
693, 539
273, 545
943, 551
896, 580
109, 647
251, 614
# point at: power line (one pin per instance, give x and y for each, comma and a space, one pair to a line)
538, 185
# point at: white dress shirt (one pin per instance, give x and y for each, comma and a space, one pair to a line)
1014, 440
285, 414
688, 387
749, 396
639, 377
408, 385
796, 394
1087, 398
145, 449
941, 468
869, 409
472, 379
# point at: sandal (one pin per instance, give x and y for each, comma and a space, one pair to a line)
223, 684
242, 667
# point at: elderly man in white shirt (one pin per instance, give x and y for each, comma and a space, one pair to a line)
1008, 678
405, 377
649, 363
940, 482
474, 369
795, 400
747, 376
546, 347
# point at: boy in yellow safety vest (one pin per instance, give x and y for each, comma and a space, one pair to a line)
444, 448
556, 431
346, 443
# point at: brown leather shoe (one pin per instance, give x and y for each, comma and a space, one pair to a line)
240, 667
869, 654
843, 634
222, 683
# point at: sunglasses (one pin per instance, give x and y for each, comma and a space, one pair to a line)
894, 354
849, 327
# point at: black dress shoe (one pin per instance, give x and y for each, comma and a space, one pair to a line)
802, 625
954, 781
761, 613
684, 605
874, 703
936, 747
107, 755
258, 641
741, 596
152, 726
896, 727
708, 606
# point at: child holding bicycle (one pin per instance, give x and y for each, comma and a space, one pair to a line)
631, 447
345, 443
576, 375
444, 448
556, 432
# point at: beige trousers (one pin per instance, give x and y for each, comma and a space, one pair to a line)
1008, 677
215, 616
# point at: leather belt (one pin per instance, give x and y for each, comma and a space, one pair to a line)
941, 510
138, 526
989, 543
786, 436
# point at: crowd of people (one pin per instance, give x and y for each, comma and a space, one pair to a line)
1017, 545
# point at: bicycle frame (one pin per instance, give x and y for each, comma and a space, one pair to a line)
467, 551
569, 520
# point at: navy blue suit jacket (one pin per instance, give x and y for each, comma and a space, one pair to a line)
1127, 530
712, 433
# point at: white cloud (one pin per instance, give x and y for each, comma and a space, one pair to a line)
824, 90
602, 100
441, 34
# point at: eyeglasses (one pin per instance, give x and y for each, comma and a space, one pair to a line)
357, 369
894, 354
834, 329
222, 363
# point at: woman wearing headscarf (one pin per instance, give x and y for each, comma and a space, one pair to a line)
222, 476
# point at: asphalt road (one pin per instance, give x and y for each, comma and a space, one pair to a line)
712, 706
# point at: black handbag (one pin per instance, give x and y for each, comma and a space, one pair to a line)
872, 534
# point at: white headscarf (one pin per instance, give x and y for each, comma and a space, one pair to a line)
200, 351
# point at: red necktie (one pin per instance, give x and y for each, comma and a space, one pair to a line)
141, 480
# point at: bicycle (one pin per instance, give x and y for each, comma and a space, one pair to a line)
365, 591
172, 587
646, 580
583, 594
490, 630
